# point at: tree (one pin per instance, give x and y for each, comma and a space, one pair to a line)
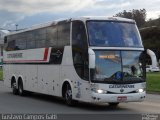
138, 15
151, 37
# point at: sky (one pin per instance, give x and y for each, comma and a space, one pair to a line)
26, 13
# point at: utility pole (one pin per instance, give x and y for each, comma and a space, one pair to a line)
16, 26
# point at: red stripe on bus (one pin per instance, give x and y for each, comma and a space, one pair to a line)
21, 61
45, 54
44, 58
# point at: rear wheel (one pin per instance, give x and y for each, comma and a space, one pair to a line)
14, 88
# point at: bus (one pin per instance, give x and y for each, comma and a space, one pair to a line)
88, 59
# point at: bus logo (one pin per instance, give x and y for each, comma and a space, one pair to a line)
121, 90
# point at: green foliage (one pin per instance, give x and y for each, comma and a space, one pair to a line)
150, 31
151, 37
138, 15
153, 82
151, 22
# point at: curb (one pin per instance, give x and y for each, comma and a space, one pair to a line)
155, 93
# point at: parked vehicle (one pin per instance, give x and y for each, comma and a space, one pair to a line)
150, 68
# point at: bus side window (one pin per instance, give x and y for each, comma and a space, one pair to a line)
20, 44
63, 34
63, 39
40, 37
5, 39
56, 56
11, 45
51, 37
31, 43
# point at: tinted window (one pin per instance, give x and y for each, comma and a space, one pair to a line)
20, 44
31, 44
11, 44
113, 34
56, 36
40, 37
5, 39
63, 34
80, 49
16, 42
56, 55
51, 39
79, 35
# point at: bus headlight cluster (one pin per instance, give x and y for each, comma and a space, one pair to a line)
140, 90
100, 91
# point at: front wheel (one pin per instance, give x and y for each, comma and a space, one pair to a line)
68, 95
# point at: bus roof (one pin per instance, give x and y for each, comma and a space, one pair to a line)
84, 18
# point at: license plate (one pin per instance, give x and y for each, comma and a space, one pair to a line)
122, 98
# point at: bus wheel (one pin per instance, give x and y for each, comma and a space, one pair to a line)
68, 95
113, 104
14, 88
20, 88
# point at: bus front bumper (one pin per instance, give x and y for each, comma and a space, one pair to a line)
114, 98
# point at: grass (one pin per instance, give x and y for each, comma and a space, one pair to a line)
153, 82
1, 74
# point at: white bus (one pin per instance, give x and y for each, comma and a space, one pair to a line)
89, 59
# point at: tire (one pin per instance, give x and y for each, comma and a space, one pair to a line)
113, 104
14, 88
68, 96
20, 89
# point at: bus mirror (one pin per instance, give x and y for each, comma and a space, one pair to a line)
92, 58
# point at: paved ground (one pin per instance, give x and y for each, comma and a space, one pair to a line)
37, 103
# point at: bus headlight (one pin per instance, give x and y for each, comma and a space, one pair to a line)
140, 90
100, 91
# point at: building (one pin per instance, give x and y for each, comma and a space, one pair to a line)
2, 34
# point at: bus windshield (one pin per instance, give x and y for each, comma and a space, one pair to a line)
113, 34
118, 66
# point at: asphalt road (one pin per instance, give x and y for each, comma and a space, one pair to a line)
38, 103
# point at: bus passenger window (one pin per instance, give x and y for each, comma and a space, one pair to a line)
31, 44
63, 34
11, 45
20, 44
5, 39
51, 37
56, 56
